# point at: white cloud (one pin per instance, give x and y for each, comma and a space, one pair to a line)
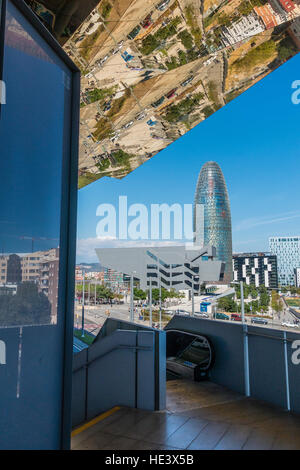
247, 224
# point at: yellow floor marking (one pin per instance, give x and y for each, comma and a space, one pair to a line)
94, 421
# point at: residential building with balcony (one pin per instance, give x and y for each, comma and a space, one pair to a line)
258, 269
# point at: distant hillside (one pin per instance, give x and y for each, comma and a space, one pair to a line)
91, 267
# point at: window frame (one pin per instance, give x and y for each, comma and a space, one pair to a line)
68, 217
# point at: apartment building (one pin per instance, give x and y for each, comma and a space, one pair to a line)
258, 269
246, 27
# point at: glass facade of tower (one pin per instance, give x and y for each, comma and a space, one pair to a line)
287, 250
212, 218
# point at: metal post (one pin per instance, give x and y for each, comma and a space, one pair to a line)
131, 298
95, 294
246, 346
286, 367
242, 302
193, 300
83, 298
160, 325
150, 302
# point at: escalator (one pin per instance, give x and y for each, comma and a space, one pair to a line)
189, 356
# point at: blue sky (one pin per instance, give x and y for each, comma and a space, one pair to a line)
256, 141
31, 158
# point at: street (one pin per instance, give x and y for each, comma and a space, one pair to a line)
95, 316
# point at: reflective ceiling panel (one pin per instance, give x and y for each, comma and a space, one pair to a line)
152, 70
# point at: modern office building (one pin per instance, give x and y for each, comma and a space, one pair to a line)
212, 218
287, 250
171, 267
258, 269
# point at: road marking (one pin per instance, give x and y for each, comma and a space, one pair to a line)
94, 421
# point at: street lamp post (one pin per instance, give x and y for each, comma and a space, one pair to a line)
193, 299
242, 302
159, 280
131, 298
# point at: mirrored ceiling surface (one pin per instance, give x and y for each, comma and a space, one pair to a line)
152, 70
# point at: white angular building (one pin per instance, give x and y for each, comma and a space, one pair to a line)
246, 27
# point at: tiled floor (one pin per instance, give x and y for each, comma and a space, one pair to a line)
198, 416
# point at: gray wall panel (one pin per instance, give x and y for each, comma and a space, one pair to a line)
79, 387
266, 368
119, 369
146, 371
294, 370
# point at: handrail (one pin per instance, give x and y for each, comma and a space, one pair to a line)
272, 336
121, 346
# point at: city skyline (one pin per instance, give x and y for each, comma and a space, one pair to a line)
261, 173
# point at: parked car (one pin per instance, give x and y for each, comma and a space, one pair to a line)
187, 81
147, 77
140, 116
259, 320
127, 125
104, 59
290, 325
236, 317
147, 22
182, 312
171, 93
134, 32
107, 107
202, 314
221, 316
158, 102
148, 72
162, 5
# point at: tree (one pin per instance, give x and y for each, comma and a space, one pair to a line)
27, 307
276, 302
102, 292
264, 300
227, 304
118, 297
165, 294
186, 38
139, 294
